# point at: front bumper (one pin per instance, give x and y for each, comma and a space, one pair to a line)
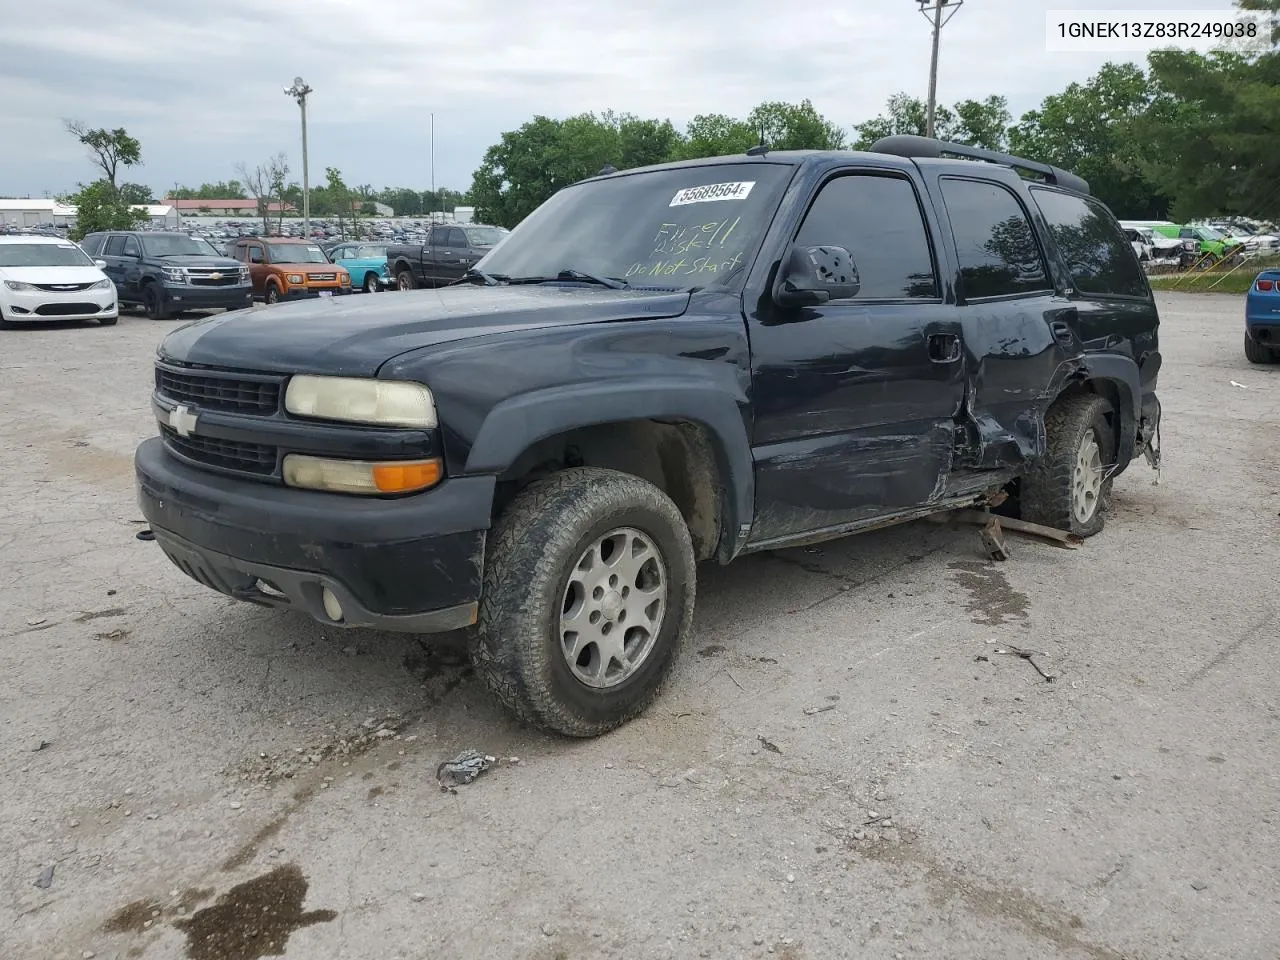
311, 293
412, 564
209, 298
44, 306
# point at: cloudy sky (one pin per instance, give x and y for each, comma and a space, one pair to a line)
200, 83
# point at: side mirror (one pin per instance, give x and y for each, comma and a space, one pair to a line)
100, 264
816, 275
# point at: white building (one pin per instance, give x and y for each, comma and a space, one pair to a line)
37, 212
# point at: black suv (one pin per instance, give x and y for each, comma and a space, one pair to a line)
666, 365
167, 273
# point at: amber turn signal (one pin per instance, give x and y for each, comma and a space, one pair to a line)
404, 477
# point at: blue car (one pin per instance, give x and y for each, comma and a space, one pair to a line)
367, 264
1262, 319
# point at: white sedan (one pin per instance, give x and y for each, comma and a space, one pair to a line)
47, 278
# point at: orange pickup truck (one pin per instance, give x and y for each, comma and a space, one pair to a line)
285, 269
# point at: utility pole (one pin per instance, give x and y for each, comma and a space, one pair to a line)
435, 200
299, 92
932, 10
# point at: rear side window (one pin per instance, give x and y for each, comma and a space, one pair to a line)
457, 238
878, 220
1101, 261
114, 246
131, 248
999, 255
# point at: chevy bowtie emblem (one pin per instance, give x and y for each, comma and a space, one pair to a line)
215, 276
182, 420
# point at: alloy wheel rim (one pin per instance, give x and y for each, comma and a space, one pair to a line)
1086, 479
612, 608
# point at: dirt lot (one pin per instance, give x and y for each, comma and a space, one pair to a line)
215, 781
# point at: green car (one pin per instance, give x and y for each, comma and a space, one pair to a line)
1213, 243
366, 262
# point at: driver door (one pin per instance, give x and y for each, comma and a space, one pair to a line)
856, 400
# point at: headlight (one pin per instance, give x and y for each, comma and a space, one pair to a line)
344, 279
175, 274
244, 274
295, 278
392, 403
19, 285
102, 285
358, 476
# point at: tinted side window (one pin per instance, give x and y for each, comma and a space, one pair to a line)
114, 246
91, 244
255, 253
1097, 254
457, 238
997, 248
131, 247
878, 220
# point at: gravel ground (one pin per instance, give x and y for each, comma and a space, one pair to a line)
216, 781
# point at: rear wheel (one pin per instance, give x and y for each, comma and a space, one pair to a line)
588, 590
153, 304
405, 281
1070, 487
1255, 352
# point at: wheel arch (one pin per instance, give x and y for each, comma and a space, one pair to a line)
1115, 379
688, 439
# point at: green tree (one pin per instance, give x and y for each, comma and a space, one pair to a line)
983, 123
1212, 134
645, 142
905, 114
99, 206
1094, 129
717, 135
794, 126
405, 201
109, 149
222, 190
136, 193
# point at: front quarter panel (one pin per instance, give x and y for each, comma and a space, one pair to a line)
498, 395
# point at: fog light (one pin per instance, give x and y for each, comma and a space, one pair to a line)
332, 608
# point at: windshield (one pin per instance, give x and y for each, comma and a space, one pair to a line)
177, 247
483, 236
296, 253
680, 228
1208, 233
42, 255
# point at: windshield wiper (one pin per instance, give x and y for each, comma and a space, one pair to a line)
490, 279
613, 283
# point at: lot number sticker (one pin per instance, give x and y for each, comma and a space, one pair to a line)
713, 191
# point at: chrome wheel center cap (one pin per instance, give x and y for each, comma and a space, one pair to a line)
611, 605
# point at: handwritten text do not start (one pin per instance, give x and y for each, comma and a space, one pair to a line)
690, 248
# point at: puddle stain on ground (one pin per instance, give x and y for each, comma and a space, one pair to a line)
249, 849
992, 601
253, 919
142, 914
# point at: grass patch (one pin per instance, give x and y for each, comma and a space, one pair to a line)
1212, 281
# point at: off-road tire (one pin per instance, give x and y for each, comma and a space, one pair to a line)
405, 281
1045, 493
1255, 352
152, 303
532, 549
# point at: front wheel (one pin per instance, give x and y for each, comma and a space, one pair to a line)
589, 589
153, 303
371, 283
1069, 488
273, 294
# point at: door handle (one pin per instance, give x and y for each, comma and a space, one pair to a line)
1062, 332
944, 347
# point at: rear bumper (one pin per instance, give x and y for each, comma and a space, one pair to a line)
210, 298
1265, 330
412, 564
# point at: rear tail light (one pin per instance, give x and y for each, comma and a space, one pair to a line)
1266, 285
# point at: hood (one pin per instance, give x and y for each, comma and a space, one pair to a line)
354, 336
201, 260
308, 267
89, 274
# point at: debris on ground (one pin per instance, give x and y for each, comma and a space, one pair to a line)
1237, 384
45, 880
810, 711
42, 745
1010, 650
769, 745
145, 535
36, 621
462, 769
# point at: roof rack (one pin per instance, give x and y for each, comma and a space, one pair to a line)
907, 145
